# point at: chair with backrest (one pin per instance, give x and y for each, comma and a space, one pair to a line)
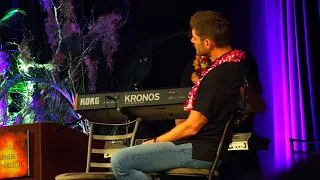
106, 151
204, 173
306, 149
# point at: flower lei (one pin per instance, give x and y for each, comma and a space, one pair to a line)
201, 65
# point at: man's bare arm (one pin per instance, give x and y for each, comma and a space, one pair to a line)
187, 128
179, 121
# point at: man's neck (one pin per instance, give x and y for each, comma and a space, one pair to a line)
218, 52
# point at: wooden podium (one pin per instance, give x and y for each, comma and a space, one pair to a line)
52, 153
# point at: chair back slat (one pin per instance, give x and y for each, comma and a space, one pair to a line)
100, 165
112, 137
306, 148
105, 151
119, 125
111, 142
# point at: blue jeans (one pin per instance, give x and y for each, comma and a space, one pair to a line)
131, 163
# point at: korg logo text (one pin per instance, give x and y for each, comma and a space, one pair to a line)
141, 97
89, 101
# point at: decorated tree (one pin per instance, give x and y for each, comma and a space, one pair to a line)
32, 92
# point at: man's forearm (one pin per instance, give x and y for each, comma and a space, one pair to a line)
179, 121
180, 131
188, 127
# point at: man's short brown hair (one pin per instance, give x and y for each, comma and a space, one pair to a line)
212, 25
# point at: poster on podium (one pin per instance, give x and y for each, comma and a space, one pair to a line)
14, 154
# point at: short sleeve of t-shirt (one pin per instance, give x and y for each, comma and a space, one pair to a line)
217, 87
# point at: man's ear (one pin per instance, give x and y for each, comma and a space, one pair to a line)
209, 44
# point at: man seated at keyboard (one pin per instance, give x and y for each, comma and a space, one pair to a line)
212, 100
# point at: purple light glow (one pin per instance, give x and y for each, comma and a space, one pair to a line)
301, 107
74, 27
288, 103
92, 67
274, 44
4, 63
296, 97
309, 68
281, 101
318, 7
3, 111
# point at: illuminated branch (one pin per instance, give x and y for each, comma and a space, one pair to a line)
7, 18
58, 27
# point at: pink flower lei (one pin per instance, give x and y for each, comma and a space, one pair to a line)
233, 56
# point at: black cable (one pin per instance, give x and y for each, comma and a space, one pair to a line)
105, 102
117, 108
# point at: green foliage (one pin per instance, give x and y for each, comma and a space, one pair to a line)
45, 92
7, 18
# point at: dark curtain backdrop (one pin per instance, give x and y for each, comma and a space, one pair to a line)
308, 41
285, 40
